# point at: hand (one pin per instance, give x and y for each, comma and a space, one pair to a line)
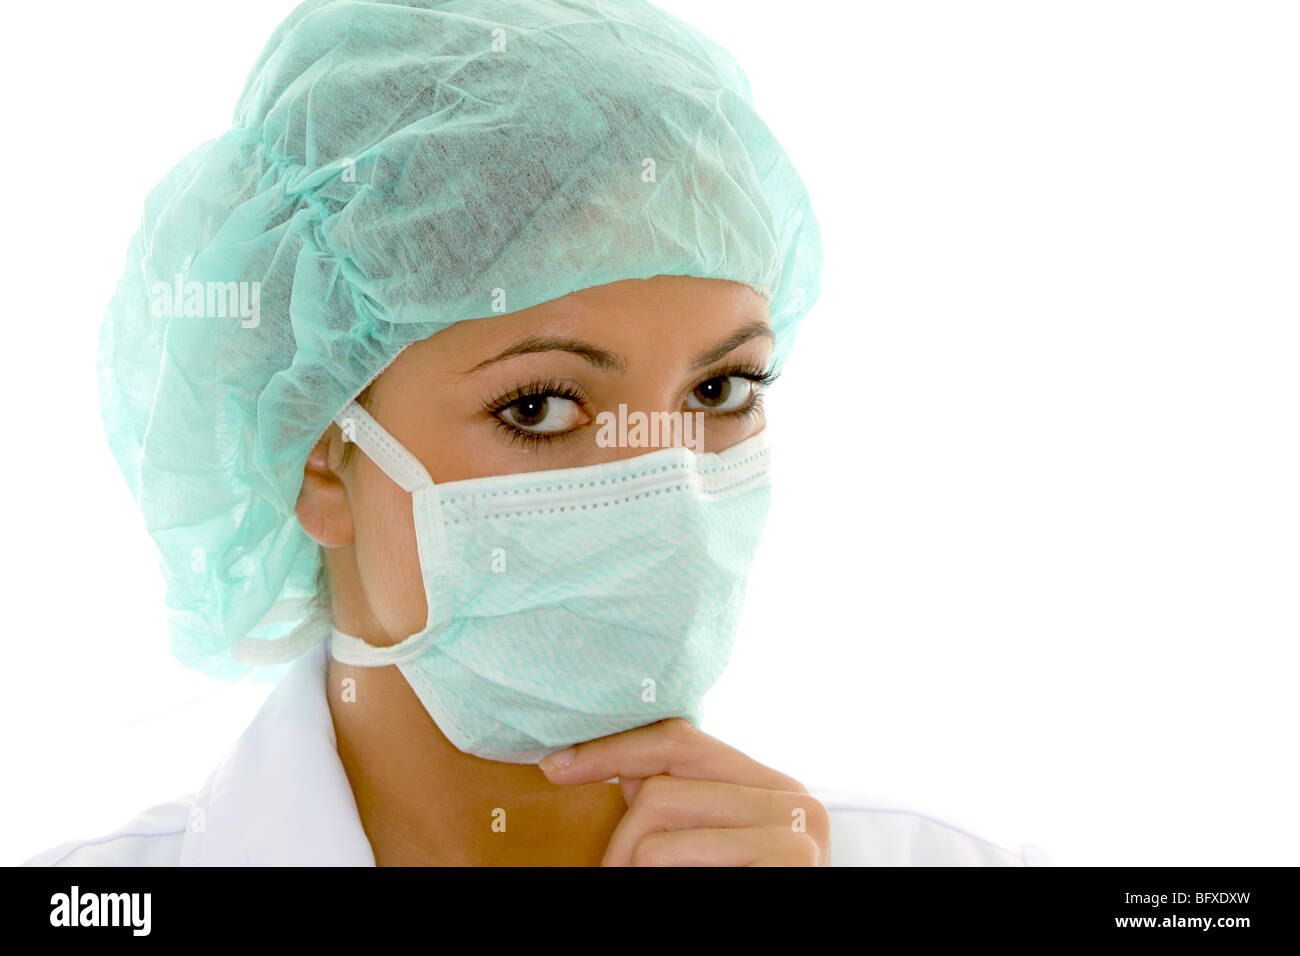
694, 801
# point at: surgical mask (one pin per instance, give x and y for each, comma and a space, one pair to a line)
570, 604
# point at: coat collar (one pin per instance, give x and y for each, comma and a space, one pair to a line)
281, 797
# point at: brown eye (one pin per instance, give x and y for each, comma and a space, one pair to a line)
542, 413
723, 393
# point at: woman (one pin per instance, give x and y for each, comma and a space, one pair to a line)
555, 256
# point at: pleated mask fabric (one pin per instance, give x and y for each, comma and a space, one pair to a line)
575, 603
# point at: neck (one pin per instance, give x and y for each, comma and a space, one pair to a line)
422, 802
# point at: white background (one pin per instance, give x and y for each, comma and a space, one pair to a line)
1032, 565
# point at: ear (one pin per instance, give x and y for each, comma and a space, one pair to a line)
323, 509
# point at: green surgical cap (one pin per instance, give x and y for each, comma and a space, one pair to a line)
394, 168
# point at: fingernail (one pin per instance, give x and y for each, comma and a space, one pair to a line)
557, 760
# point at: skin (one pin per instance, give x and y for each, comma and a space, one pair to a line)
683, 797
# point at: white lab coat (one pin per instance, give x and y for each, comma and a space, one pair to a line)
281, 798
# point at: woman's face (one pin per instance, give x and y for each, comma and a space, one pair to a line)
523, 392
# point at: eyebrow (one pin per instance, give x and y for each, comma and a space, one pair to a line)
600, 358
742, 335
608, 361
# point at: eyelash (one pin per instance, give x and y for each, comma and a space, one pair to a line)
541, 386
551, 388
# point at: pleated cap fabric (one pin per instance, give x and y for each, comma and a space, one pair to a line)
394, 168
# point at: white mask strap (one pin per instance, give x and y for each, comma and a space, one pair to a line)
404, 468
383, 449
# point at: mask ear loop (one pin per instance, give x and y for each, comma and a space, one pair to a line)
359, 426
405, 469
313, 627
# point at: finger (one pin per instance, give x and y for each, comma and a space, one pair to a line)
675, 803
763, 846
673, 746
